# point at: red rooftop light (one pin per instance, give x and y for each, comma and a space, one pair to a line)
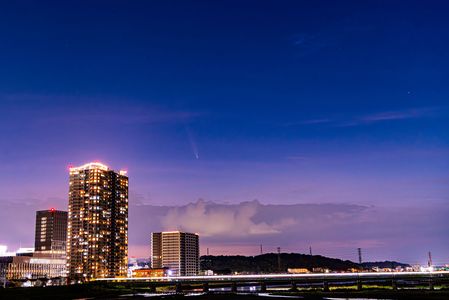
52, 209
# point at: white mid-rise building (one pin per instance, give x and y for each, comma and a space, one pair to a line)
177, 251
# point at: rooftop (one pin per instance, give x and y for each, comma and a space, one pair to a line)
94, 166
90, 166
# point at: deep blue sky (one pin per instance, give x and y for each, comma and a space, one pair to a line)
282, 101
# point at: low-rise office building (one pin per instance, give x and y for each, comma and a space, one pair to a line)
26, 267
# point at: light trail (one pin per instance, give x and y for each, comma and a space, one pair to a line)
274, 277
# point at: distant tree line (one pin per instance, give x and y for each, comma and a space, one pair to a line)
268, 263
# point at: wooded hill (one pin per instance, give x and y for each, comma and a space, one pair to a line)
268, 263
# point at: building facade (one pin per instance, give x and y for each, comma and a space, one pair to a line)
30, 267
51, 231
27, 265
177, 251
97, 237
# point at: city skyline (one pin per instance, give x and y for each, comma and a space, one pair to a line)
193, 216
270, 117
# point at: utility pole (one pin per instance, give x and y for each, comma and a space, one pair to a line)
207, 251
359, 250
261, 249
310, 250
279, 259
429, 263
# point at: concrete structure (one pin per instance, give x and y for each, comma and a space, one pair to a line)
97, 237
325, 280
51, 232
178, 251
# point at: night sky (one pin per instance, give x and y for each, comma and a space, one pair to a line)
337, 108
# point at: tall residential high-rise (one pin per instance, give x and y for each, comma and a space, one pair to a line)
97, 237
178, 251
51, 231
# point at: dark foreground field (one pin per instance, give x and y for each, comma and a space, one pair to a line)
87, 291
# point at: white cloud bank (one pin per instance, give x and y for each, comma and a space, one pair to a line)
208, 220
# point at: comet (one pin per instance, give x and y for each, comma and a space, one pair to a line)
192, 143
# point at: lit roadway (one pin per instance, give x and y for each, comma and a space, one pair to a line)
324, 279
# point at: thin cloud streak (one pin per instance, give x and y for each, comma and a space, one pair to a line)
297, 157
48, 109
309, 122
412, 113
309, 43
148, 117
